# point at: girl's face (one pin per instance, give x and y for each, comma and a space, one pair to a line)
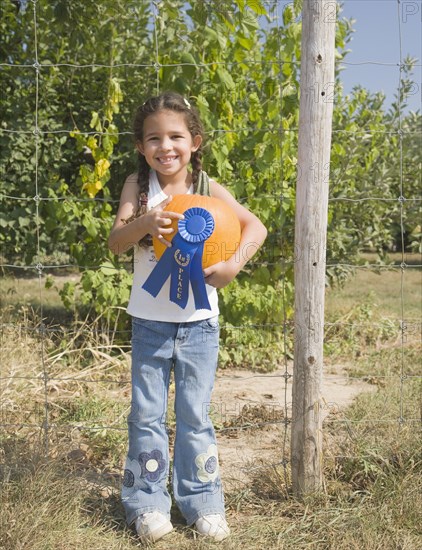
167, 143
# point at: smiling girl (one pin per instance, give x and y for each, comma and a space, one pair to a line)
169, 138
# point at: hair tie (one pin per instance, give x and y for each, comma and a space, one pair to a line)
186, 103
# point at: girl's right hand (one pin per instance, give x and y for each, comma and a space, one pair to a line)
157, 219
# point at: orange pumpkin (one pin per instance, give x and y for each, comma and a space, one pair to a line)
225, 238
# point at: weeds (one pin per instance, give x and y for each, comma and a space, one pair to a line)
372, 496
358, 331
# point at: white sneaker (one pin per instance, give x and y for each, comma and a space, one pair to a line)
152, 526
214, 526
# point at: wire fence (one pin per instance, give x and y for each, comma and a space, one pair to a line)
44, 378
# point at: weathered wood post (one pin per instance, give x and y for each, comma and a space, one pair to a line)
315, 118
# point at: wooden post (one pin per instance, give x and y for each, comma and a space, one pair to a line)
315, 118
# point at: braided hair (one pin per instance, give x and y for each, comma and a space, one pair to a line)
170, 101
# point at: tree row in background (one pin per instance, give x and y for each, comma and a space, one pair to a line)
239, 64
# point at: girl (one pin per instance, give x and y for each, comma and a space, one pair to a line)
169, 137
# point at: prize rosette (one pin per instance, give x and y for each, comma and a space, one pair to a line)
184, 261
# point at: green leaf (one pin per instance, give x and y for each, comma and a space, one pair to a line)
211, 36
90, 226
108, 268
225, 78
246, 43
287, 14
190, 69
249, 22
95, 122
256, 6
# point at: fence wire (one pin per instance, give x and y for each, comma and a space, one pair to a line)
48, 377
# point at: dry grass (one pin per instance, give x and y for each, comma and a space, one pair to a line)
372, 499
380, 290
60, 504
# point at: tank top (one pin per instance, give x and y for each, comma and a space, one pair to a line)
141, 303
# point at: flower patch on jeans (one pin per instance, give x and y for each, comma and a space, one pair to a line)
131, 478
152, 465
207, 464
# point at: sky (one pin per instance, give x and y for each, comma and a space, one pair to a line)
376, 39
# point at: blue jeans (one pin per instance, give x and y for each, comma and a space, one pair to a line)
192, 350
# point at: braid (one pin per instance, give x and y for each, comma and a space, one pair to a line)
143, 185
196, 161
143, 175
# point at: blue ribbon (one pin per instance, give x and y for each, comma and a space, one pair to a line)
183, 261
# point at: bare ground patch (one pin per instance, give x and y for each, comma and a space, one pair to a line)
249, 412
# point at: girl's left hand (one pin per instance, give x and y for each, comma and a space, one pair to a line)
220, 275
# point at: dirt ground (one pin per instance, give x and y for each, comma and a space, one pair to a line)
243, 398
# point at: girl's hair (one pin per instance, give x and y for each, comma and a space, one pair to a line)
169, 101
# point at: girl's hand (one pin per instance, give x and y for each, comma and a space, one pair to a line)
157, 219
220, 275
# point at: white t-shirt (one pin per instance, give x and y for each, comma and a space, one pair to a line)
141, 303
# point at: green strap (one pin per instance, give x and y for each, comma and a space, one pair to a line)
203, 184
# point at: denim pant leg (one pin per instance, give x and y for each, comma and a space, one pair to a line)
147, 465
196, 480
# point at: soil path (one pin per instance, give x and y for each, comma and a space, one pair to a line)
242, 398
